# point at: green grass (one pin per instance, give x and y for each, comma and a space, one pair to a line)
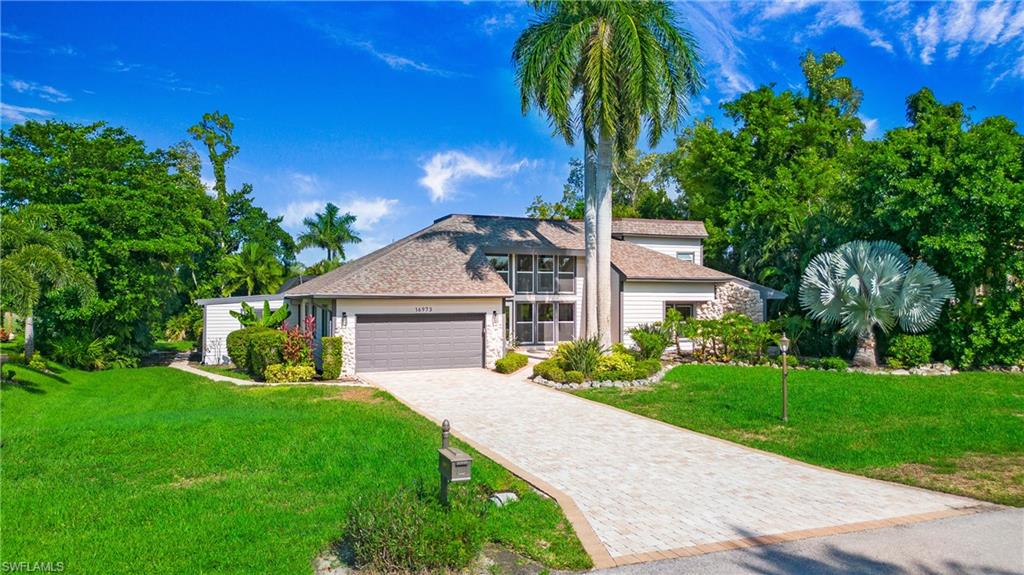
17, 344
165, 345
159, 471
963, 433
220, 370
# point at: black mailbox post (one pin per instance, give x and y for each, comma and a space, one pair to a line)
454, 464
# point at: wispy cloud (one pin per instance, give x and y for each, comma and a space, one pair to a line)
64, 50
48, 93
18, 114
17, 37
295, 212
393, 60
719, 38
303, 183
871, 127
498, 22
368, 211
445, 170
122, 66
848, 15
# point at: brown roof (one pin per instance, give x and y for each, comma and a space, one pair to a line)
668, 228
448, 258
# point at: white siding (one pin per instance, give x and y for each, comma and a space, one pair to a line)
644, 302
670, 246
218, 323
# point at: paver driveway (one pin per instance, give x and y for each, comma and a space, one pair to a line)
641, 489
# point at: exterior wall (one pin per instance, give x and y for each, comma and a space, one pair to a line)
345, 325
218, 323
669, 246
644, 302
734, 297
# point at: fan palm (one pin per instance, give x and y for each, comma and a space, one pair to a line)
608, 70
255, 268
36, 258
329, 230
863, 285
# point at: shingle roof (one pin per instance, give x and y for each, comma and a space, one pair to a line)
448, 258
669, 228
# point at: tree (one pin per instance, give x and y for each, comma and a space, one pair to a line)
214, 131
866, 285
253, 268
609, 70
270, 319
36, 258
330, 231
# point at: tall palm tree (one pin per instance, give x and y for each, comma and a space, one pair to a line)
863, 285
608, 70
329, 230
35, 258
253, 267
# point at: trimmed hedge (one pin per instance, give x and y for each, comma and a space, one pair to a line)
282, 373
906, 351
237, 344
574, 377
331, 348
264, 349
835, 363
511, 362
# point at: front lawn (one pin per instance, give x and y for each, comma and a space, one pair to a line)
963, 434
223, 370
167, 345
159, 471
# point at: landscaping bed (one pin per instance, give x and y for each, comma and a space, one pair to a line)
961, 433
161, 470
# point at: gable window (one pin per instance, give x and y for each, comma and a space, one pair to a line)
524, 274
566, 274
545, 274
685, 309
524, 322
500, 265
686, 256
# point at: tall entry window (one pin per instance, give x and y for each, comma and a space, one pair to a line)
524, 322
566, 321
545, 274
546, 322
524, 274
500, 265
566, 274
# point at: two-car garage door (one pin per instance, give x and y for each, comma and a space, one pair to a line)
394, 342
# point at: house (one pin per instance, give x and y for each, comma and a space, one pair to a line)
458, 292
218, 322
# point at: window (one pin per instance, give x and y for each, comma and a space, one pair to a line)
545, 274
684, 309
566, 274
326, 317
545, 322
524, 322
686, 256
524, 274
566, 321
500, 265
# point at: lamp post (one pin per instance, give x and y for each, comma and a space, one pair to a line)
784, 346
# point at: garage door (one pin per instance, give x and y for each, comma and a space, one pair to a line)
392, 342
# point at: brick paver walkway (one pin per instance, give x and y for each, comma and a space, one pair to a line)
647, 490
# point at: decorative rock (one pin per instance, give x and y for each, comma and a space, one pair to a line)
503, 498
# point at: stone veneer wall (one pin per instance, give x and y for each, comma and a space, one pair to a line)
348, 340
494, 339
733, 297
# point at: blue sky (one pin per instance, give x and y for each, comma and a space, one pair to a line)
402, 113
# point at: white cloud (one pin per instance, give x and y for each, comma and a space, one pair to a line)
718, 37
394, 61
48, 93
295, 212
896, 10
122, 66
444, 170
847, 15
15, 36
928, 32
780, 8
968, 24
65, 50
304, 183
18, 114
495, 23
871, 127
368, 211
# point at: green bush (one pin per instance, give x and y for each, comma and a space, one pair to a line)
647, 367
92, 354
541, 368
264, 349
792, 361
38, 363
556, 374
834, 363
616, 362
283, 373
511, 362
582, 355
574, 377
732, 337
331, 348
237, 345
906, 351
410, 532
651, 340
613, 376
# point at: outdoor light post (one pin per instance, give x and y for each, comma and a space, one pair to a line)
784, 346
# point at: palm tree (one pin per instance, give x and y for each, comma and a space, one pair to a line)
608, 69
330, 231
253, 267
863, 285
36, 258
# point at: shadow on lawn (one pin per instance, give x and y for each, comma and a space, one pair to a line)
29, 386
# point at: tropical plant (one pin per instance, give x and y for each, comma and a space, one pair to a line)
582, 355
36, 258
650, 339
907, 351
608, 69
254, 268
329, 230
272, 319
864, 285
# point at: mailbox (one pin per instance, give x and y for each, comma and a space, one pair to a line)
455, 465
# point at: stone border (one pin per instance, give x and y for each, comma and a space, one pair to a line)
656, 378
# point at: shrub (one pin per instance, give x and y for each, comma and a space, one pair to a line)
732, 337
283, 373
791, 361
650, 339
647, 368
541, 368
80, 352
182, 326
574, 377
556, 374
834, 363
613, 376
297, 345
237, 344
616, 362
907, 351
38, 363
582, 355
410, 532
331, 348
511, 362
264, 349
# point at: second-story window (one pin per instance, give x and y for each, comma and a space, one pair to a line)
545, 274
500, 265
566, 274
524, 274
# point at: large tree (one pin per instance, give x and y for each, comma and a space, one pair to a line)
329, 230
253, 269
607, 70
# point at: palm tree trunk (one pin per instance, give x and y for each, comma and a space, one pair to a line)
865, 356
603, 201
590, 241
30, 337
